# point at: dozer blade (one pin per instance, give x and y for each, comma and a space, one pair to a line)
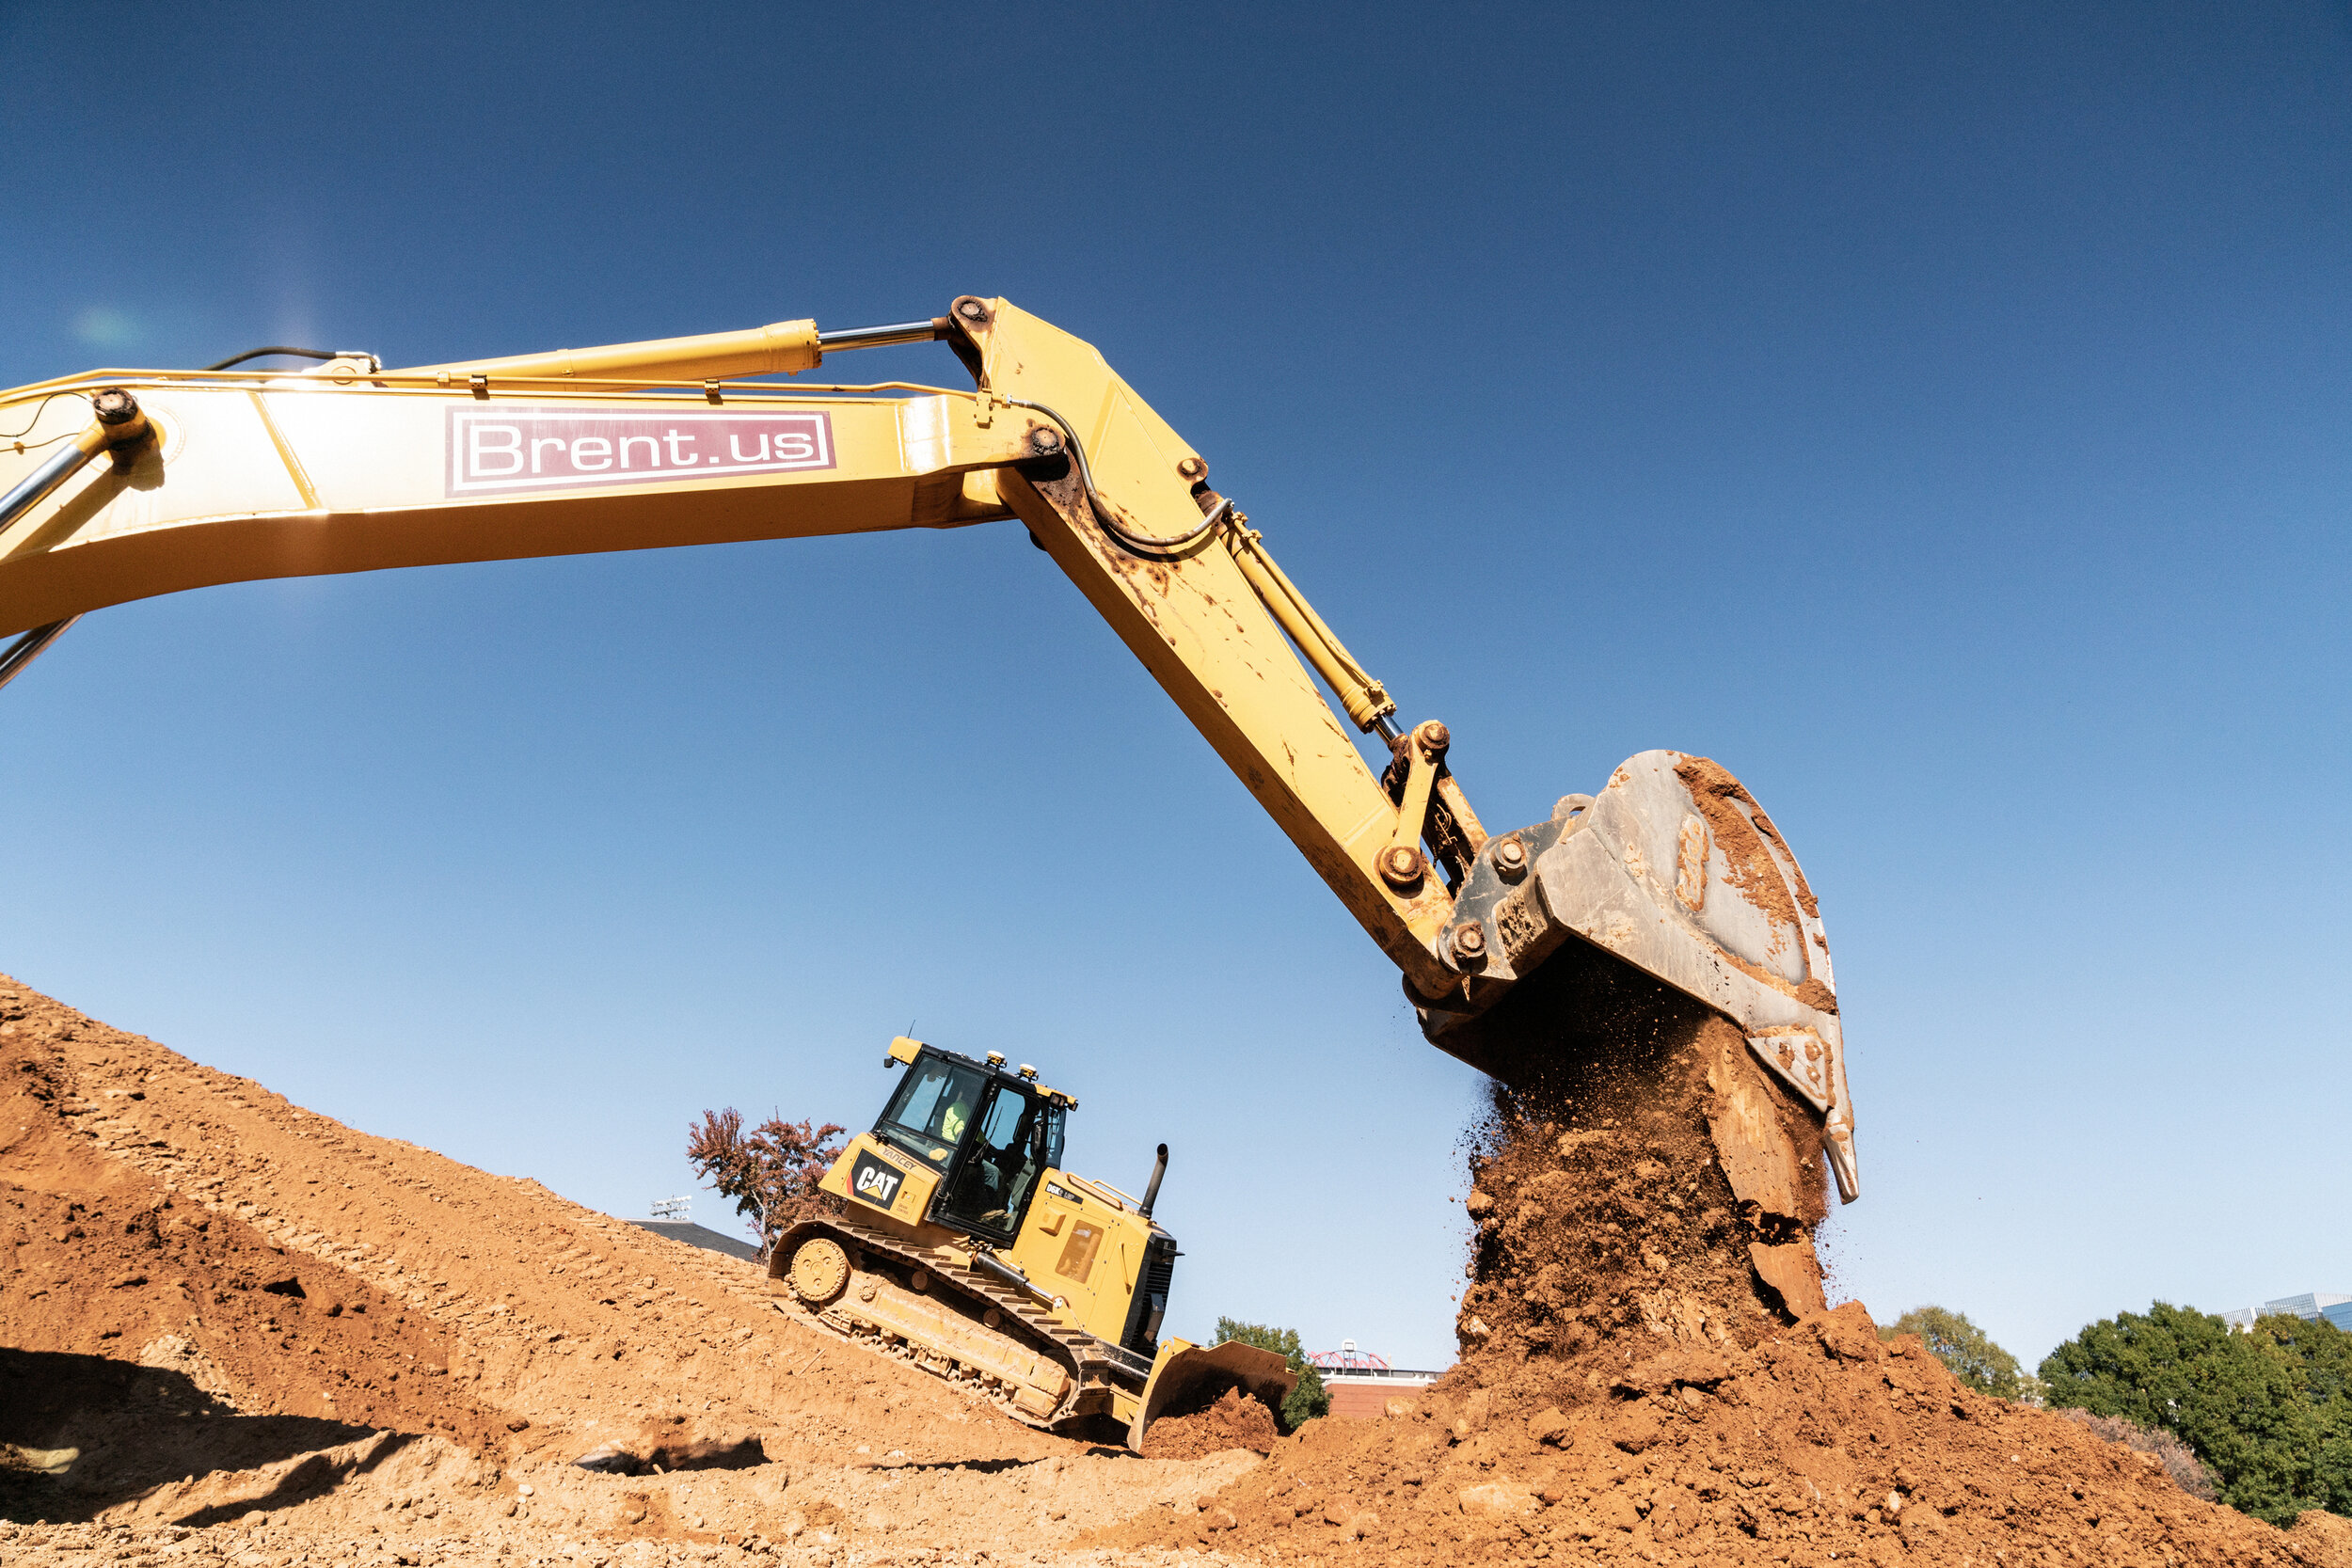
1672, 884
1186, 1378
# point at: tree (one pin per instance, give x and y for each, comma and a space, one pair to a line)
1310, 1399
772, 1172
2269, 1410
1967, 1352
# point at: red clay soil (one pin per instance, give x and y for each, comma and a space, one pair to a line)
1234, 1421
1819, 1444
1632, 1390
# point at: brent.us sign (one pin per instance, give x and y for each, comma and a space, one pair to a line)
493, 449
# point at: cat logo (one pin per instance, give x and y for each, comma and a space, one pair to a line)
875, 1182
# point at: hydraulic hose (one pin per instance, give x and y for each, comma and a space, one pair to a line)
1140, 543
1367, 702
275, 348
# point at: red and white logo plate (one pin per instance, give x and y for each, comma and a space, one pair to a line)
494, 449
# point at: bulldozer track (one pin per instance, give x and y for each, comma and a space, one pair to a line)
878, 1259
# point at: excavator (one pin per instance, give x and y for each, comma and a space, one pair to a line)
1667, 891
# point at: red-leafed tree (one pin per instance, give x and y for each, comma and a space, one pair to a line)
772, 1172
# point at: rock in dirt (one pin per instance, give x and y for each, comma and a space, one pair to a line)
1794, 1275
609, 1460
1496, 1499
1672, 1369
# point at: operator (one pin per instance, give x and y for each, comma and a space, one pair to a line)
951, 1120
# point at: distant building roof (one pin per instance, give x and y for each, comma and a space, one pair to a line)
2310, 1303
701, 1236
1414, 1377
1348, 1362
2336, 1308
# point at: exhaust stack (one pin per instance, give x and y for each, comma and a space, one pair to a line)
1152, 1193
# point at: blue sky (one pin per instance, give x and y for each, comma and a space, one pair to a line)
1935, 414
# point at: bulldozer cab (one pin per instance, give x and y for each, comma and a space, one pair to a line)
990, 1134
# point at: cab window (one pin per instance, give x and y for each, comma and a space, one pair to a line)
933, 1107
1003, 1124
1019, 1137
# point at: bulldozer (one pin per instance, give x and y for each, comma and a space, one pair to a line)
958, 1243
1668, 889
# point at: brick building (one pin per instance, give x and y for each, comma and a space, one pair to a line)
1361, 1383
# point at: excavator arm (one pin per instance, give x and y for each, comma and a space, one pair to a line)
232, 475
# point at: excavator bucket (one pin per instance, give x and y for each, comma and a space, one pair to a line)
1186, 1378
1670, 887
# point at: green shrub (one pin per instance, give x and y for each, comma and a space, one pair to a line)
2270, 1411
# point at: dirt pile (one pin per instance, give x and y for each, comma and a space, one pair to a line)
2179, 1460
1647, 1375
220, 1312
1816, 1444
1234, 1421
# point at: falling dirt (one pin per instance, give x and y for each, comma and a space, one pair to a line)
1640, 1198
233, 1331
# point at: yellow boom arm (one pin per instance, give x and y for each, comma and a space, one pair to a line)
243, 475
226, 475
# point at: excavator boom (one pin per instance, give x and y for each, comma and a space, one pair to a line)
235, 474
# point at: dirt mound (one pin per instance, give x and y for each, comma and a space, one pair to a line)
1635, 1386
1234, 1421
2179, 1460
1819, 1441
220, 1312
